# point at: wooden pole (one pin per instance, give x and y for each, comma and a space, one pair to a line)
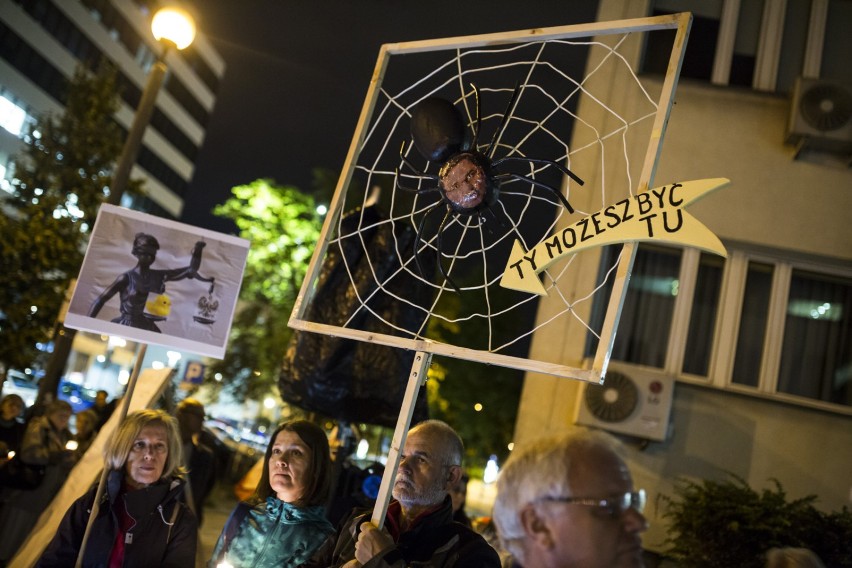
416, 379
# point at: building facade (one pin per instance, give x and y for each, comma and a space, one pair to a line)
756, 346
43, 41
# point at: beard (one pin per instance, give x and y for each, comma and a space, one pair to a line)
408, 494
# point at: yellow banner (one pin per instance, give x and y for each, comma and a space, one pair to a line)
654, 215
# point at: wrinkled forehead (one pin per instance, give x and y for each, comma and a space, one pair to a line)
427, 443
153, 431
599, 471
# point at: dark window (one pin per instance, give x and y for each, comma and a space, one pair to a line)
701, 49
816, 358
702, 319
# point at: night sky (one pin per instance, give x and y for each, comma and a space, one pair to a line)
298, 72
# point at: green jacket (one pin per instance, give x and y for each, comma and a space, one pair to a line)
274, 533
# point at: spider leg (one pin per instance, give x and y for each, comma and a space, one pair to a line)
496, 218
506, 114
440, 248
405, 161
555, 191
398, 185
412, 167
419, 238
475, 140
557, 165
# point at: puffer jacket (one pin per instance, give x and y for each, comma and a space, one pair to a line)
434, 541
165, 532
273, 533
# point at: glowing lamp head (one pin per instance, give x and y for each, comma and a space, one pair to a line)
173, 25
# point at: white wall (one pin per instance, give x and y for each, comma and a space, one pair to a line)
773, 201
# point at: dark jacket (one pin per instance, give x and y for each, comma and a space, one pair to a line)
202, 477
165, 532
435, 541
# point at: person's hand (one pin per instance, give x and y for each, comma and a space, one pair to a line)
371, 542
352, 564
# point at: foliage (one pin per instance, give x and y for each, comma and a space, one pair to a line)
60, 180
283, 226
456, 386
726, 523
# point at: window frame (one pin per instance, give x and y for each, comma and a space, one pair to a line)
727, 320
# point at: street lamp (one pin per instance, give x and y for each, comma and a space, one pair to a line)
172, 27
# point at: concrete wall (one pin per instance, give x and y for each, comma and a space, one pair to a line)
773, 201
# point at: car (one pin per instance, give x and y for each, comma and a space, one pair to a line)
79, 397
21, 384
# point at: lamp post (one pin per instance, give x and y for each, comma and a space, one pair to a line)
173, 28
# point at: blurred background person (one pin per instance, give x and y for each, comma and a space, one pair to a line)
102, 408
198, 459
44, 444
141, 520
458, 493
284, 523
11, 426
85, 424
792, 558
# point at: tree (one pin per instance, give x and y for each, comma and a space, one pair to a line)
283, 226
60, 180
479, 401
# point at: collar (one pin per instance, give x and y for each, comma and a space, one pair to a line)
288, 514
439, 514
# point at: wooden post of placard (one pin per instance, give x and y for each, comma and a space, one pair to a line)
125, 403
416, 379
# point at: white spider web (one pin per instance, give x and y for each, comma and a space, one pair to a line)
598, 139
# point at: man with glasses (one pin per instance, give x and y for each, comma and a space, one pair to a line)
419, 528
569, 501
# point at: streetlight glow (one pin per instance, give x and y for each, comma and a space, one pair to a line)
174, 25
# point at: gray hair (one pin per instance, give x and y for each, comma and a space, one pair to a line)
792, 558
451, 443
540, 469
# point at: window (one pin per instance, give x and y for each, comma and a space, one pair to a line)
757, 322
758, 44
12, 117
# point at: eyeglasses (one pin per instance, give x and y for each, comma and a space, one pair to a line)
614, 506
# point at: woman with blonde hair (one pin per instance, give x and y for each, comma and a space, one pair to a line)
141, 520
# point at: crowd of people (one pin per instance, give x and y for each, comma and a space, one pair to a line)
562, 501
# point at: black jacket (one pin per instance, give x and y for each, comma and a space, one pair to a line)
165, 533
435, 541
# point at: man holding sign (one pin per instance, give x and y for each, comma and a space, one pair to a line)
419, 523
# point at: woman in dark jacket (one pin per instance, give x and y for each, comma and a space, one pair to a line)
43, 446
11, 426
141, 521
284, 524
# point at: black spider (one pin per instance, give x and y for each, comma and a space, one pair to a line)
466, 179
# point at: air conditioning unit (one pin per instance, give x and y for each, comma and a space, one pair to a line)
631, 401
821, 115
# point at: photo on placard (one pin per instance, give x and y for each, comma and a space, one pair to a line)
157, 281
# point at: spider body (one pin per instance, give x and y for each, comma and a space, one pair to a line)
468, 179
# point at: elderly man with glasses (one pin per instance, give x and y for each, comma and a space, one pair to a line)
569, 501
419, 529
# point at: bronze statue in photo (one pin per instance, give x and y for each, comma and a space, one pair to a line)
137, 308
